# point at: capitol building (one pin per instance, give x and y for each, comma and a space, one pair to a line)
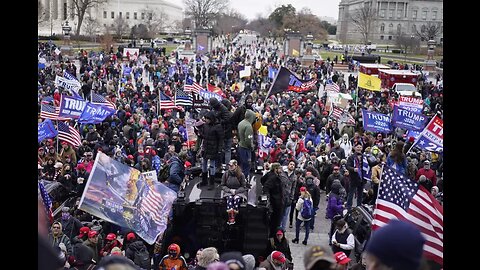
54, 13
391, 19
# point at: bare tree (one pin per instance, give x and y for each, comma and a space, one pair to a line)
41, 13
306, 23
80, 8
262, 25
363, 19
155, 20
204, 12
120, 27
429, 31
91, 27
229, 21
407, 42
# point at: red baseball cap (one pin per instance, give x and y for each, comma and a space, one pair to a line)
111, 236
303, 189
341, 258
277, 255
130, 236
92, 234
64, 142
279, 232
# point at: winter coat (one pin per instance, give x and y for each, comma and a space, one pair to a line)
272, 186
212, 140
334, 206
311, 136
224, 116
245, 130
61, 238
231, 181
352, 160
289, 183
177, 171
133, 247
330, 179
71, 227
268, 264
281, 246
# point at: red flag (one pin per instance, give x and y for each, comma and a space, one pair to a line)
215, 89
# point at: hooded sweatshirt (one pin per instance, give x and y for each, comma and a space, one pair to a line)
245, 130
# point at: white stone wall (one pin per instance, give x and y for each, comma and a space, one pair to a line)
403, 16
54, 8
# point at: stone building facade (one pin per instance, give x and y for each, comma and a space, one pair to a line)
392, 17
56, 12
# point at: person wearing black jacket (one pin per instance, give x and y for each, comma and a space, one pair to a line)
239, 113
224, 116
280, 243
212, 136
314, 191
273, 188
354, 167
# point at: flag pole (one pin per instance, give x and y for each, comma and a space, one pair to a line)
57, 134
271, 86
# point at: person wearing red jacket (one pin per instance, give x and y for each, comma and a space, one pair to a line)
429, 173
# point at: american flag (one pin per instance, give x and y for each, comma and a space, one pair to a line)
51, 112
336, 113
404, 199
47, 100
47, 202
150, 204
101, 100
69, 134
182, 98
193, 87
331, 86
166, 102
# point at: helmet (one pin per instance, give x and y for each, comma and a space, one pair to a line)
111, 236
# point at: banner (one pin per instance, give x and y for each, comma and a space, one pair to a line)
288, 81
121, 195
406, 119
376, 122
131, 53
206, 95
70, 85
431, 139
264, 144
95, 114
46, 130
246, 72
411, 103
71, 107
189, 124
338, 99
369, 82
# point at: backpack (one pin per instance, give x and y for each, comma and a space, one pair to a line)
307, 209
142, 258
164, 172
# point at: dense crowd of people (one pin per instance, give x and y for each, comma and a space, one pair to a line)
311, 151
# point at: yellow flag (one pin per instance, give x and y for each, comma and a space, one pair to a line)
263, 130
369, 82
295, 52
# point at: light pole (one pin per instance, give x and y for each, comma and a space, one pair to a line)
66, 38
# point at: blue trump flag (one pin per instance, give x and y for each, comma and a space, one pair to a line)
94, 114
206, 95
376, 122
404, 118
71, 107
46, 130
272, 72
171, 71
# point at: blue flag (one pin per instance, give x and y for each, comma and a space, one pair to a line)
94, 114
367, 171
46, 130
200, 48
206, 95
272, 72
376, 122
403, 118
171, 71
414, 134
71, 107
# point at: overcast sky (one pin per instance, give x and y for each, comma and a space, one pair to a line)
250, 8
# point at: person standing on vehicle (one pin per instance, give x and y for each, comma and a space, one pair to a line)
245, 142
212, 145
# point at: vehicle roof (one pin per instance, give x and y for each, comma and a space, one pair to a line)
398, 72
370, 65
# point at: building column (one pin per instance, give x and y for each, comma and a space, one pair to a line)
405, 9
396, 10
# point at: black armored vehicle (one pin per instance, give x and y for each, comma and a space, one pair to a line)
200, 220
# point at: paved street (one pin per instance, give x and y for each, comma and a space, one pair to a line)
319, 236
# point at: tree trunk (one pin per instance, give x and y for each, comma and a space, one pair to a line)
80, 21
